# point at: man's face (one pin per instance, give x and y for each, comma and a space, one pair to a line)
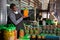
14, 8
40, 14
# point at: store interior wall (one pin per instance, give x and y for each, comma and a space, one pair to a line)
58, 8
3, 12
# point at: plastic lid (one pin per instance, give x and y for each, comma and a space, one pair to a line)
11, 25
12, 28
8, 29
2, 27
42, 34
21, 29
27, 36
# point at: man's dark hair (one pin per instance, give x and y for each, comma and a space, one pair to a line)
12, 5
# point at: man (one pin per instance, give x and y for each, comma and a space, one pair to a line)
39, 16
15, 17
52, 17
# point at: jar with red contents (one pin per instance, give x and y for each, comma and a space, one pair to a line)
21, 33
15, 35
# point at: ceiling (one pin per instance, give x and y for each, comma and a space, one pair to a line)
33, 3
29, 3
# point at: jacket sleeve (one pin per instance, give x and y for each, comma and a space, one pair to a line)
13, 19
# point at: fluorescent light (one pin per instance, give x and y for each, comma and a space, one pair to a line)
7, 4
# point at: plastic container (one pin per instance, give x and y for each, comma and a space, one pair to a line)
31, 31
9, 33
33, 37
36, 32
26, 13
38, 37
27, 31
15, 35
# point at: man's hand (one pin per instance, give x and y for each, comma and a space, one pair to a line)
23, 16
41, 19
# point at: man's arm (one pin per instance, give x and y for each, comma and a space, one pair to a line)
13, 19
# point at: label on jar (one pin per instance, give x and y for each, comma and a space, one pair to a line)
11, 38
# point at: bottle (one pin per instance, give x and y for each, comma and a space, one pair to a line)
31, 31
26, 27
40, 30
33, 37
38, 37
51, 31
27, 32
43, 38
58, 31
38, 23
44, 29
44, 23
36, 32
